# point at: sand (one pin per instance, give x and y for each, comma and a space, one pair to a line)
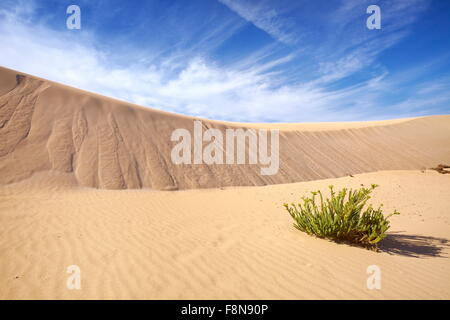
83, 180
109, 144
236, 243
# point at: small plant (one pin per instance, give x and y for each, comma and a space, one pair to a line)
343, 217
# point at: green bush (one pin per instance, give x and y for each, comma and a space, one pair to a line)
343, 217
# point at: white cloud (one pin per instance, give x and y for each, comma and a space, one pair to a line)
248, 90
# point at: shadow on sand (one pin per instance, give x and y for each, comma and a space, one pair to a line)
414, 245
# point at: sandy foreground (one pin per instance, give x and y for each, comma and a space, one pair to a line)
234, 243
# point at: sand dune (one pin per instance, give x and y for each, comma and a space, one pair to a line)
106, 143
61, 149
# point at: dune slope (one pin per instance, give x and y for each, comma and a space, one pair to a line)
106, 143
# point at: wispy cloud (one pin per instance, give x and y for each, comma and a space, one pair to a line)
269, 84
265, 18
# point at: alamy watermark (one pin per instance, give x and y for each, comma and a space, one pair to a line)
74, 280
374, 279
374, 20
190, 150
74, 20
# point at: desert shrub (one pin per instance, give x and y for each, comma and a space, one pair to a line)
342, 217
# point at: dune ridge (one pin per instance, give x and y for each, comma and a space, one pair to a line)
109, 144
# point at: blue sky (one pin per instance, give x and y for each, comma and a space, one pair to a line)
242, 60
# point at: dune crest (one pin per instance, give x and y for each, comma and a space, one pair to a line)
106, 143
